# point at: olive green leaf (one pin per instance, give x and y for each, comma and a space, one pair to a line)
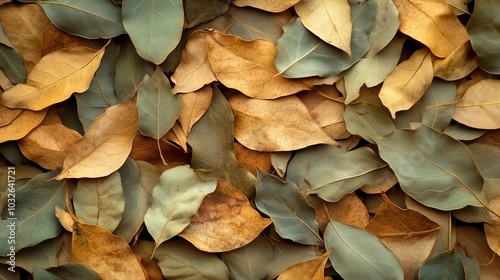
67, 271
452, 264
200, 11
11, 64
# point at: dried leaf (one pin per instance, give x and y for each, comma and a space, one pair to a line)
67, 271
450, 264
311, 270
435, 113
21, 125
271, 125
274, 6
194, 105
54, 78
251, 160
384, 28
105, 145
349, 210
460, 63
492, 230
216, 227
64, 218
198, 12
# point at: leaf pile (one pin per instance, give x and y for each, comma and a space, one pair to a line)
342, 139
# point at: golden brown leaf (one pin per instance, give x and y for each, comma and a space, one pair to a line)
248, 66
194, 69
474, 243
407, 233
308, 270
56, 39
48, 145
251, 159
408, 82
177, 135
460, 63
349, 210
5, 83
146, 149
105, 253
329, 20
492, 230
225, 221
64, 218
273, 6
194, 105
282, 124
105, 145
21, 125
7, 115
54, 78
433, 23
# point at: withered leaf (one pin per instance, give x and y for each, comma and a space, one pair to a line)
274, 6
313, 269
21, 125
194, 105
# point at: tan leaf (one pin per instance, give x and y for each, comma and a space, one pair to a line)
408, 82
282, 124
407, 233
105, 145
479, 107
48, 145
194, 69
433, 23
308, 270
349, 210
54, 78
25, 25
64, 218
474, 243
460, 63
23, 123
273, 6
146, 149
329, 20
251, 159
225, 221
194, 105
177, 135
492, 230
248, 66
5, 83
7, 115
105, 253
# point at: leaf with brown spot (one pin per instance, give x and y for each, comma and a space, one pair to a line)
225, 221
21, 125
105, 145
105, 253
308, 270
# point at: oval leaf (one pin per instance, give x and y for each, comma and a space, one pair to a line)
450, 265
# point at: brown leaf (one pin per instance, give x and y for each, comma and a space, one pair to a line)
177, 135
492, 230
282, 124
248, 66
194, 105
146, 149
460, 63
433, 23
473, 241
56, 39
48, 145
408, 234
308, 270
408, 82
7, 115
105, 253
225, 221
194, 69
105, 145
64, 218
251, 159
349, 210
54, 78
273, 6
21, 125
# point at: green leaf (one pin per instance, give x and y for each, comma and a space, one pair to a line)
99, 201
130, 70
384, 28
4, 39
292, 217
251, 24
357, 254
155, 26
434, 113
136, 201
176, 198
12, 65
433, 168
90, 19
302, 54
158, 107
67, 271
200, 11
484, 32
178, 259
39, 256
251, 261
101, 93
330, 173
462, 132
484, 155
449, 265
34, 211
212, 141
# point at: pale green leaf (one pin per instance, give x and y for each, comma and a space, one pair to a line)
155, 26
384, 28
292, 217
176, 198
357, 254
39, 256
435, 113
484, 155
90, 19
67, 271
200, 11
433, 168
179, 260
449, 265
158, 107
212, 141
100, 201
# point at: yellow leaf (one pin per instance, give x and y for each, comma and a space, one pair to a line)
433, 23
194, 105
480, 105
248, 66
225, 221
329, 20
194, 70
54, 78
460, 63
273, 6
408, 82
282, 124
105, 253
7, 115
21, 125
308, 270
105, 145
